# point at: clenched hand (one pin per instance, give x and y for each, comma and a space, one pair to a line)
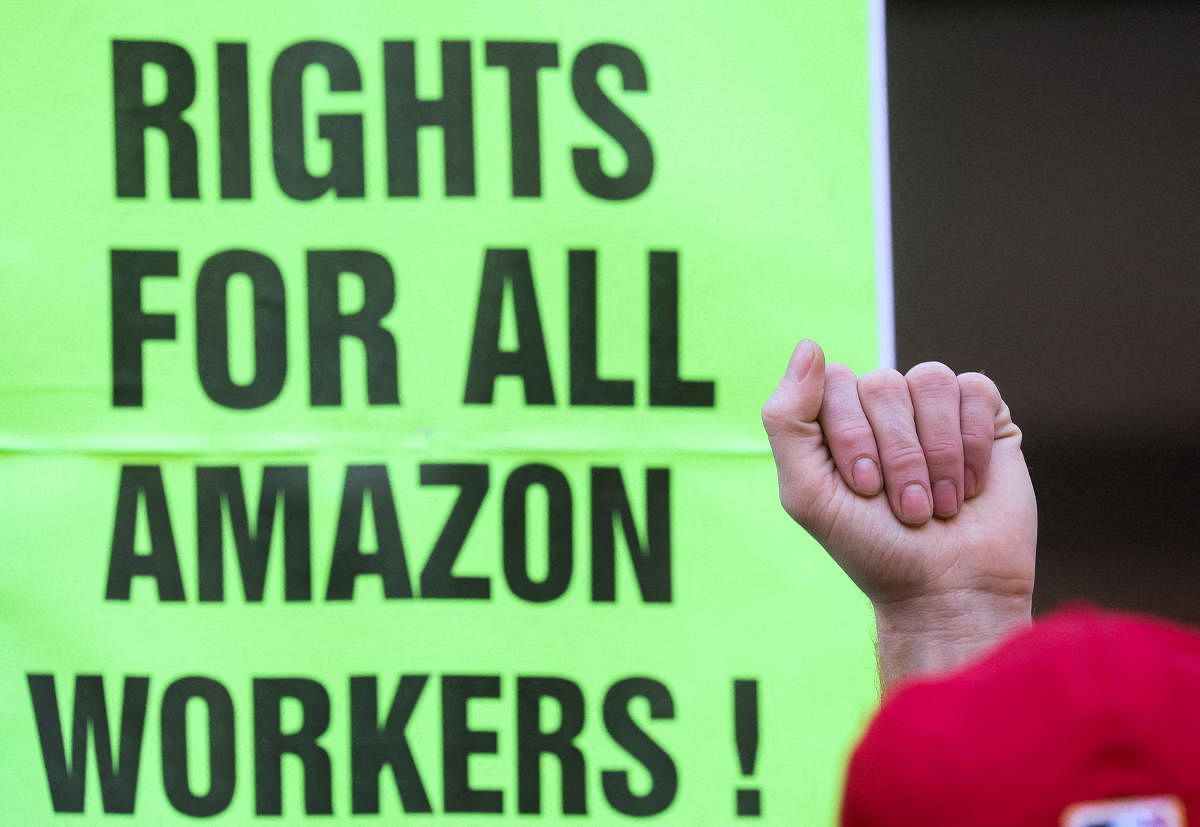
916, 486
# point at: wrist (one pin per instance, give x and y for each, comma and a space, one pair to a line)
935, 633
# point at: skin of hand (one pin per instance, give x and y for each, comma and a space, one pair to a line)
916, 486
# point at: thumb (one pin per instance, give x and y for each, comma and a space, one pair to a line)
790, 419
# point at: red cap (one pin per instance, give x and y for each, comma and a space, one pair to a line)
1084, 707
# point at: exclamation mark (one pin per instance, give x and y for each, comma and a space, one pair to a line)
745, 734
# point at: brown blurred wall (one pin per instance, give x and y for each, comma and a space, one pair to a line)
1046, 213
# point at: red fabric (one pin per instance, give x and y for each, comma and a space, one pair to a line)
1085, 706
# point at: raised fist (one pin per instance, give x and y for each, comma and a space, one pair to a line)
915, 484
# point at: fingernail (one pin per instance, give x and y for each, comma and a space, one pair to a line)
866, 476
945, 498
803, 360
972, 485
914, 504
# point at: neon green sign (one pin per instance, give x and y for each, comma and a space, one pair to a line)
379, 404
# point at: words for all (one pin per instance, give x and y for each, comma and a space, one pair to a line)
506, 273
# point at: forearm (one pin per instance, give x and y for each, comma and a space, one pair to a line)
928, 635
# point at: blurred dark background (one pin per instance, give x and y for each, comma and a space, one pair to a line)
1046, 212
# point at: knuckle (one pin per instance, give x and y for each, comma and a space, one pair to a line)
933, 382
974, 435
905, 456
930, 375
882, 384
838, 371
979, 385
847, 431
944, 452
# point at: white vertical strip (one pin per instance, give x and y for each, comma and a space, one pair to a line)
881, 183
